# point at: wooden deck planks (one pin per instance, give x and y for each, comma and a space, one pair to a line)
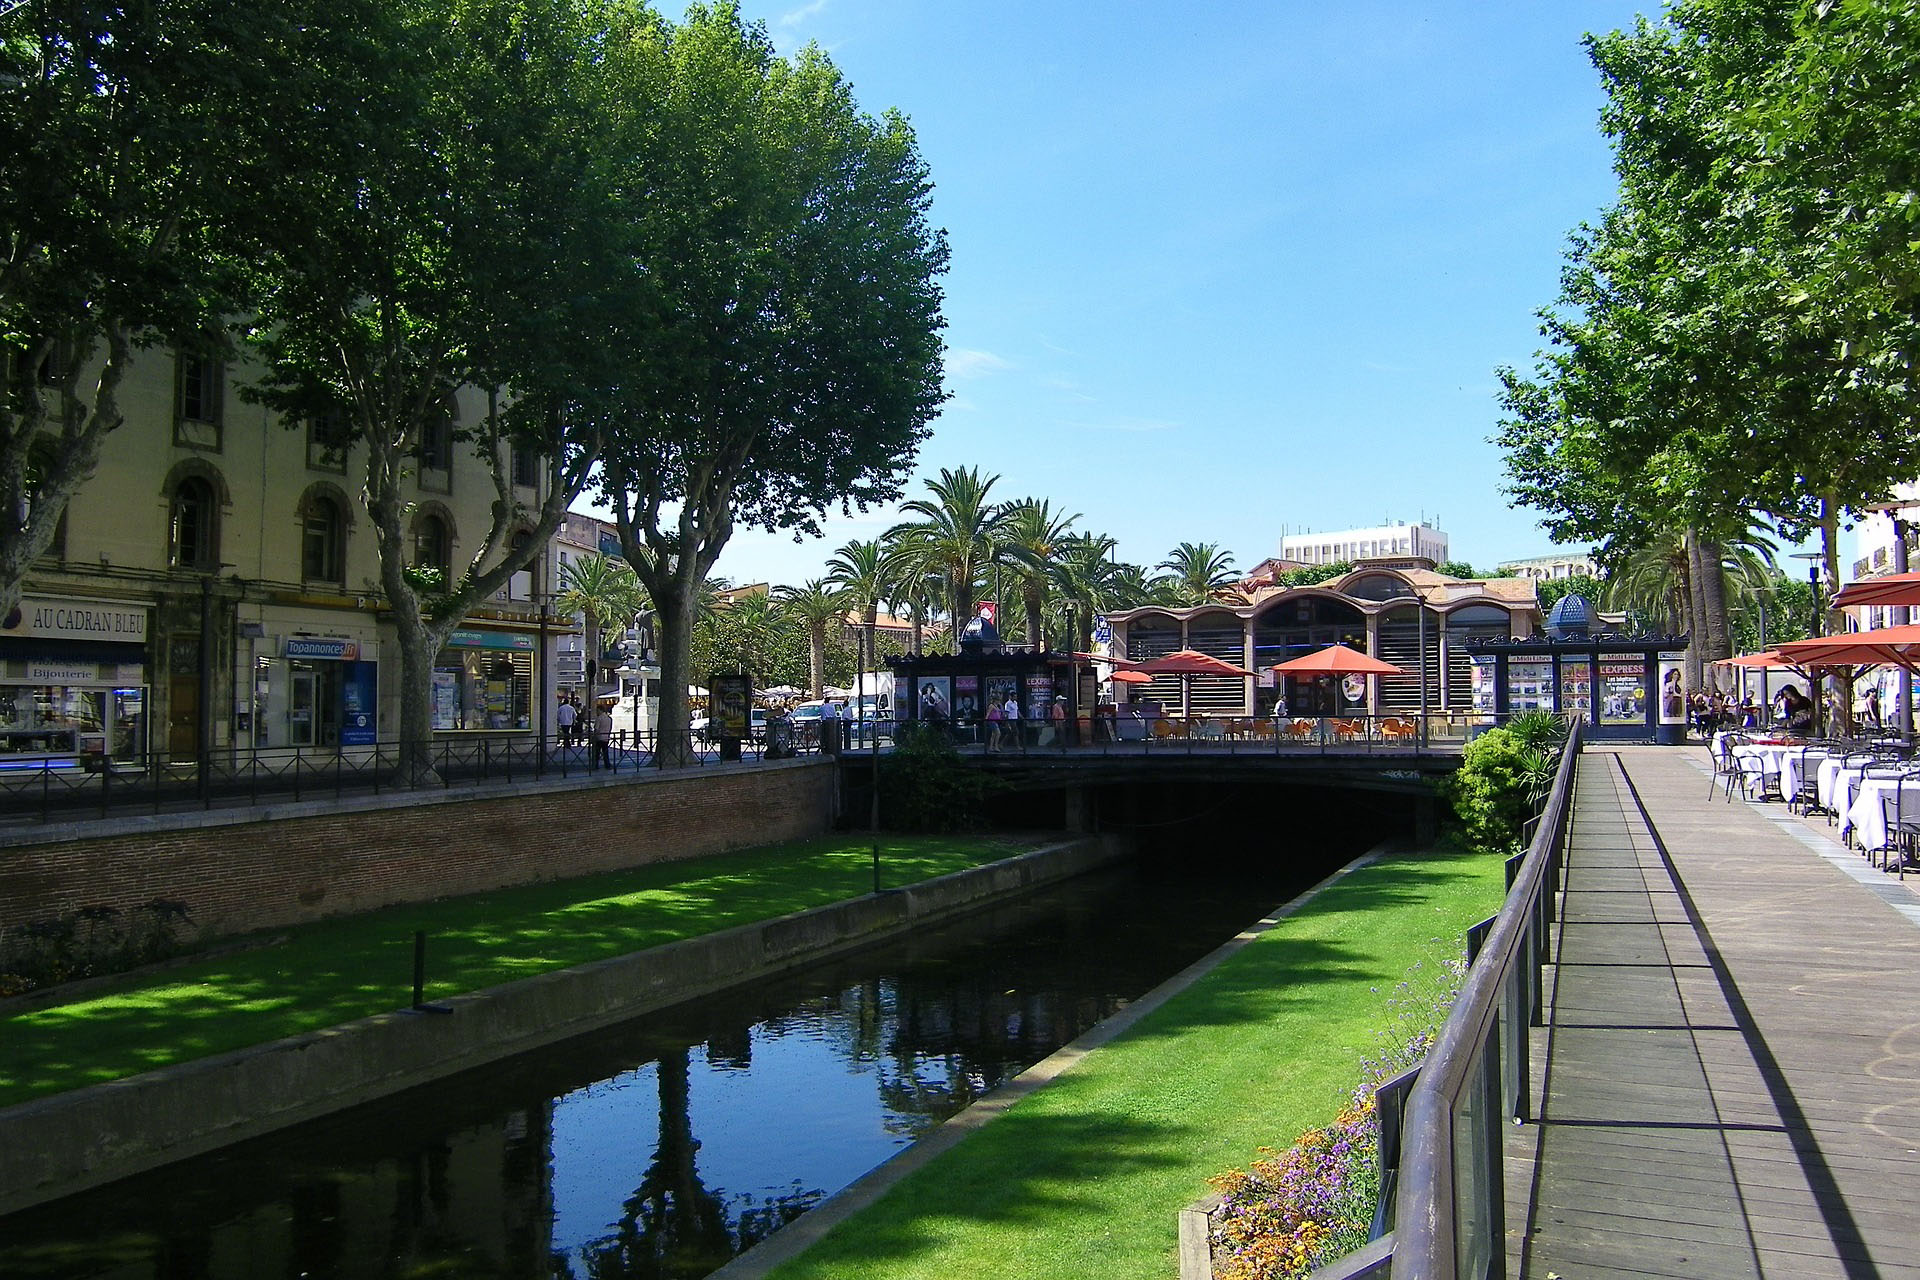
1730, 1084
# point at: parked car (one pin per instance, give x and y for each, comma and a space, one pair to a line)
806, 722
705, 731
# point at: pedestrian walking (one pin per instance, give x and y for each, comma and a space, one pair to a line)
564, 717
602, 735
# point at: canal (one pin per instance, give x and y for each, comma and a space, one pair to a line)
664, 1146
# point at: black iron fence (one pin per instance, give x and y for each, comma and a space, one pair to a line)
1132, 735
72, 788
1444, 1191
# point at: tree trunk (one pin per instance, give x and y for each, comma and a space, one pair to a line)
675, 610
1030, 596
1696, 611
1712, 572
817, 657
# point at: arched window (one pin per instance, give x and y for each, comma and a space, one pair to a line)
432, 545
323, 537
193, 531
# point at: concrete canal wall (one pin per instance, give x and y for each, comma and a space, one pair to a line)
57, 1146
241, 870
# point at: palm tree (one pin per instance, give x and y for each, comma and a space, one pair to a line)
955, 535
816, 605
1086, 576
862, 571
603, 590
1031, 535
746, 629
1196, 570
1689, 582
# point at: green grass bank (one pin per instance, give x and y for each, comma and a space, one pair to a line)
335, 971
1085, 1177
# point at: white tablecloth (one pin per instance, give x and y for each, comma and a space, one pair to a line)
1846, 786
1794, 762
1866, 816
1756, 760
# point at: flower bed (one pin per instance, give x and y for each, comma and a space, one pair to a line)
1292, 1211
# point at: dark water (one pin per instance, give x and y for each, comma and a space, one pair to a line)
663, 1146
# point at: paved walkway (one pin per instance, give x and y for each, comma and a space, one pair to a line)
1731, 1079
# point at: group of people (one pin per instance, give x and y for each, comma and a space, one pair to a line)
1711, 710
1003, 723
577, 728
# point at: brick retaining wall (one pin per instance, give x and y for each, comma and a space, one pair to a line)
248, 869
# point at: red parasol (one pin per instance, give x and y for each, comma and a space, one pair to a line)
1125, 676
1188, 663
1888, 589
1899, 646
1338, 660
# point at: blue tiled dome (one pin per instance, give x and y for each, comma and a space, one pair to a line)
1571, 618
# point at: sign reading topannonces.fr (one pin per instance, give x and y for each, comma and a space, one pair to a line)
77, 620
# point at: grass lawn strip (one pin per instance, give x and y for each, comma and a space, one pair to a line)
335, 971
1085, 1177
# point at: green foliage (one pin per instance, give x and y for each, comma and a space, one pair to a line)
1493, 791
88, 943
1542, 730
1551, 591
926, 785
1314, 575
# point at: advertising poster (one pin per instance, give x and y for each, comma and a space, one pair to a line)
966, 699
936, 698
446, 697
1576, 687
359, 686
1673, 694
1623, 688
731, 698
1483, 683
1529, 684
1039, 696
1002, 688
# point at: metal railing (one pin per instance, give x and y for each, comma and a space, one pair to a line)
1397, 733
74, 788
1448, 1197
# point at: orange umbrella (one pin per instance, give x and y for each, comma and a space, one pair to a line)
1188, 663
1899, 646
1125, 676
1338, 660
1888, 589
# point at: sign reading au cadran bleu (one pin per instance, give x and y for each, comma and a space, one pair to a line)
77, 620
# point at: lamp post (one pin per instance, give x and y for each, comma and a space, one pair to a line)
1813, 559
1899, 615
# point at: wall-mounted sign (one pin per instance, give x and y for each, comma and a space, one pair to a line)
489, 640
63, 672
331, 648
76, 620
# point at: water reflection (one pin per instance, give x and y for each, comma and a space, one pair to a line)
660, 1148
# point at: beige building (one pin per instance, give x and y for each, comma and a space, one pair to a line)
1396, 608
215, 584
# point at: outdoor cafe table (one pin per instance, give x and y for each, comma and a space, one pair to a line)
1782, 758
1867, 816
1846, 781
1793, 760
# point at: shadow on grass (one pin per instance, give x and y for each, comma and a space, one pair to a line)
335, 971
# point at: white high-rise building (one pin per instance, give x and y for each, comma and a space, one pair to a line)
1421, 540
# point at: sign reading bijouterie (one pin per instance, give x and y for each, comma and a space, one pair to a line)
76, 620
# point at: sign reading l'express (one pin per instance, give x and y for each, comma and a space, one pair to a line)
77, 620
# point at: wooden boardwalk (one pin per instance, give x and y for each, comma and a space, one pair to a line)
1730, 1081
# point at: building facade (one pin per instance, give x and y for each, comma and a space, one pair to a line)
1394, 540
1395, 609
215, 586
1563, 564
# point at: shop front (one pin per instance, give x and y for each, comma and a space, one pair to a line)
331, 694
75, 684
1620, 688
483, 681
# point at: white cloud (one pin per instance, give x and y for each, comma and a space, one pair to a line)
795, 17
1125, 424
964, 362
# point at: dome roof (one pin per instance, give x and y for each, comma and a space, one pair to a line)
1571, 618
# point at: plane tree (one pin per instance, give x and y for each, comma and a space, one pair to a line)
775, 327
130, 137
434, 226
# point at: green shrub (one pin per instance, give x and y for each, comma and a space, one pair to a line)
1493, 792
88, 943
1542, 730
926, 785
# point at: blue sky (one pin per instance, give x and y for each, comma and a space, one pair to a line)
1224, 271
